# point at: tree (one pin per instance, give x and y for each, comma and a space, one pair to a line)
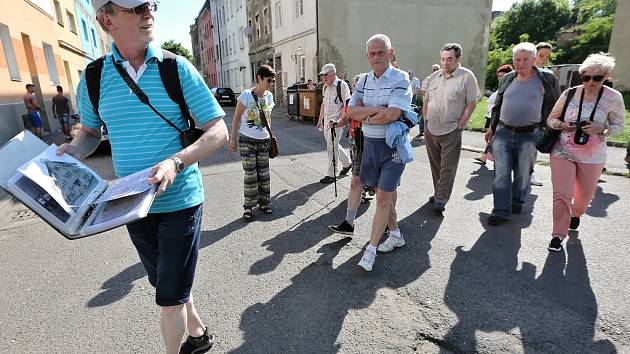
496, 58
540, 19
177, 48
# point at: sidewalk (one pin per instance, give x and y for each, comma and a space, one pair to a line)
475, 141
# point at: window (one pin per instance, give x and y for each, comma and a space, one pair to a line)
241, 42
9, 53
85, 31
298, 8
58, 13
71, 24
93, 37
232, 7
50, 62
278, 14
217, 51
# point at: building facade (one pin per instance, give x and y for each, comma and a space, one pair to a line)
620, 48
203, 46
235, 66
294, 43
417, 28
259, 34
42, 42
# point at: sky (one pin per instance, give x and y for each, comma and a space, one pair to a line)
174, 17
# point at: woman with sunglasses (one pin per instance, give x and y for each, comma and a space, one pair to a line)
248, 126
595, 112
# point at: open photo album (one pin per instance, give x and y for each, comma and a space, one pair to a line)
66, 193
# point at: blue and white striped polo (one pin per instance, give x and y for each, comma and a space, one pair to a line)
392, 89
139, 138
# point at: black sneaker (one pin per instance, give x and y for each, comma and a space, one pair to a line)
555, 245
197, 345
575, 223
344, 171
431, 199
439, 207
497, 220
327, 179
343, 228
517, 208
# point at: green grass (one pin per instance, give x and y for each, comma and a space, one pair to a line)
478, 119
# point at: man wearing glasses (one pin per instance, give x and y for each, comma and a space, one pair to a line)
167, 240
336, 94
524, 100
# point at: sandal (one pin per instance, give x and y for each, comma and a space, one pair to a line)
266, 209
247, 215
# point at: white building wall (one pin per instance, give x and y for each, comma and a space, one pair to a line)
233, 66
294, 39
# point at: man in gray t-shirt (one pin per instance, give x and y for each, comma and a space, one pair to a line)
61, 109
524, 100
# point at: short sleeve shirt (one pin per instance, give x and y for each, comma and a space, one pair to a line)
62, 105
448, 95
251, 124
392, 89
141, 139
332, 105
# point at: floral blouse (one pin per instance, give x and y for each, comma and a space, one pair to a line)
610, 112
251, 124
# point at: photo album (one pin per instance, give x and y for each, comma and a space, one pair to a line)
66, 193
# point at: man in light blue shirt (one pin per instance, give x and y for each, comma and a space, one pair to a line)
379, 99
167, 240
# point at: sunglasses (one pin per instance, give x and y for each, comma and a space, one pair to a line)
596, 78
270, 81
141, 9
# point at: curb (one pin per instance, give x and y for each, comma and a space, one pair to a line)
608, 143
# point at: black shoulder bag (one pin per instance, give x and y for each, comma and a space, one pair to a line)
548, 138
273, 147
188, 136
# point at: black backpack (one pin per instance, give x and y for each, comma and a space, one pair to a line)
168, 74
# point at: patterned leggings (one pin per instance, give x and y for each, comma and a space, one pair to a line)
255, 159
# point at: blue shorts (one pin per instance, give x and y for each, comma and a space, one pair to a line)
36, 120
168, 244
381, 166
64, 119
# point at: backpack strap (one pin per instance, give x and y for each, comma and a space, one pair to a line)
338, 98
170, 78
93, 81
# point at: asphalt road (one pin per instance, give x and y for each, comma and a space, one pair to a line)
285, 284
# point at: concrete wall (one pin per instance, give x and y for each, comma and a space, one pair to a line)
620, 46
417, 28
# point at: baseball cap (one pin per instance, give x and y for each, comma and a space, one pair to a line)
127, 4
327, 68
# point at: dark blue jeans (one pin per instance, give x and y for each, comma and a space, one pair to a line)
513, 153
168, 244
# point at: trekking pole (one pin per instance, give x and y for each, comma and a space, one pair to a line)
334, 161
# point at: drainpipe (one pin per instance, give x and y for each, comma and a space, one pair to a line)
319, 65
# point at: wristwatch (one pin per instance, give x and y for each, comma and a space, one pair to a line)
179, 164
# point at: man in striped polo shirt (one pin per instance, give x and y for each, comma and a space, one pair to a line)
167, 240
379, 99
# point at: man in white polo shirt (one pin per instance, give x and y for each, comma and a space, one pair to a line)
385, 93
336, 94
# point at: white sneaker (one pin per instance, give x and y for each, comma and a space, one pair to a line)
391, 243
535, 181
367, 261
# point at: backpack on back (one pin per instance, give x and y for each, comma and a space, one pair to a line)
168, 74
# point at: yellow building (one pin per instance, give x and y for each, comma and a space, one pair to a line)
46, 43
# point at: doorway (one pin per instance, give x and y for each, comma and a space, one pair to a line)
32, 68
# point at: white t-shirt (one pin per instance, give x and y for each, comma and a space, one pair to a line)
251, 124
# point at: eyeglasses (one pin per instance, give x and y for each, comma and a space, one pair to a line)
270, 81
141, 9
596, 78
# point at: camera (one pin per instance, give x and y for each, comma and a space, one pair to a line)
580, 138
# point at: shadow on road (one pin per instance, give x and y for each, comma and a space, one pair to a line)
555, 313
480, 183
601, 202
307, 316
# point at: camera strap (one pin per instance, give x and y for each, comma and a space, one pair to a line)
599, 96
140, 94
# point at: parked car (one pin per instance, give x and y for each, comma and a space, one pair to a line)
224, 95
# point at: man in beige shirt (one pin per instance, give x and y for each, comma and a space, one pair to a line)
449, 101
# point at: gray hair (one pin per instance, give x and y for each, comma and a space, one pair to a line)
603, 61
108, 9
380, 38
527, 47
455, 47
435, 67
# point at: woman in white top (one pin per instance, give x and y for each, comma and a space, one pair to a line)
248, 126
